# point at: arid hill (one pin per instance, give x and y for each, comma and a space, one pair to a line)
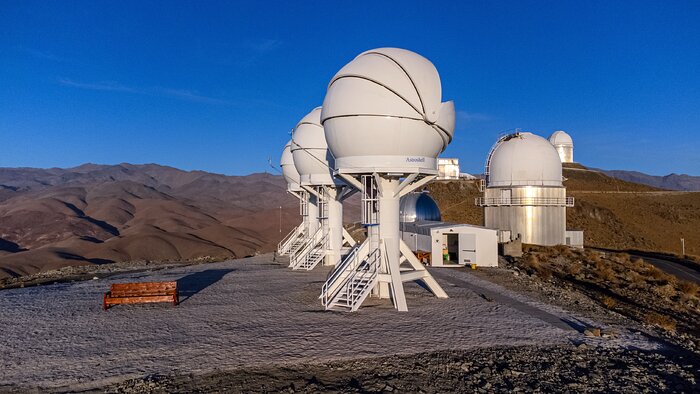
613, 213
94, 214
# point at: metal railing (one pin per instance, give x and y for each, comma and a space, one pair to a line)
337, 272
524, 201
361, 279
315, 254
286, 242
365, 270
370, 200
299, 256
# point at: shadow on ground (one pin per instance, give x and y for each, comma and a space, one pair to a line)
192, 284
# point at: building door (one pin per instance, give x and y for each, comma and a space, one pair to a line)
467, 249
505, 196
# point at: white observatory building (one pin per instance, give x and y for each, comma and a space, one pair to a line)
524, 191
295, 238
385, 124
564, 145
325, 238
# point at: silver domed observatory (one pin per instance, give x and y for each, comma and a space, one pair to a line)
294, 239
313, 161
564, 145
385, 124
524, 190
419, 207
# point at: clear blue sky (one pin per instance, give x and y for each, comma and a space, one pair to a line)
217, 86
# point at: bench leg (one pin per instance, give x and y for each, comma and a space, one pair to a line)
176, 300
104, 302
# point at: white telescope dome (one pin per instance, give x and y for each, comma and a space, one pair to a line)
310, 151
560, 138
523, 159
290, 173
383, 112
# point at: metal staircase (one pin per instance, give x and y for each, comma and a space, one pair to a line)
310, 253
352, 280
291, 239
297, 245
350, 284
314, 256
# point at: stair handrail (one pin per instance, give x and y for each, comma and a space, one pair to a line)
335, 274
370, 262
303, 253
298, 254
343, 267
318, 245
282, 245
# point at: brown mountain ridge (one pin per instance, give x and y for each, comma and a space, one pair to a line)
50, 218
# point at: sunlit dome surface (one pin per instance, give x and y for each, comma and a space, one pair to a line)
383, 111
524, 159
419, 206
309, 149
289, 171
560, 138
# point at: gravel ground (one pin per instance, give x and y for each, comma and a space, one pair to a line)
253, 315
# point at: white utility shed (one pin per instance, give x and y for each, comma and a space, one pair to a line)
466, 244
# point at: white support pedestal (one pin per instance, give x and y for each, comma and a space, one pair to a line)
394, 252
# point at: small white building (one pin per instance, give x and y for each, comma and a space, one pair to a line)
466, 244
448, 168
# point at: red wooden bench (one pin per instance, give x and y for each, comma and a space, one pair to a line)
134, 293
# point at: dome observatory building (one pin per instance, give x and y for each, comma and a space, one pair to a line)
418, 207
524, 192
564, 146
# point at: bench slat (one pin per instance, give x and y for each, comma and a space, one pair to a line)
143, 292
140, 293
137, 300
144, 285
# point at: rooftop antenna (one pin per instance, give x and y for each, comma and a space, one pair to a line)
385, 125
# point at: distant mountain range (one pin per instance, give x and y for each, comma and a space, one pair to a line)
669, 182
50, 218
